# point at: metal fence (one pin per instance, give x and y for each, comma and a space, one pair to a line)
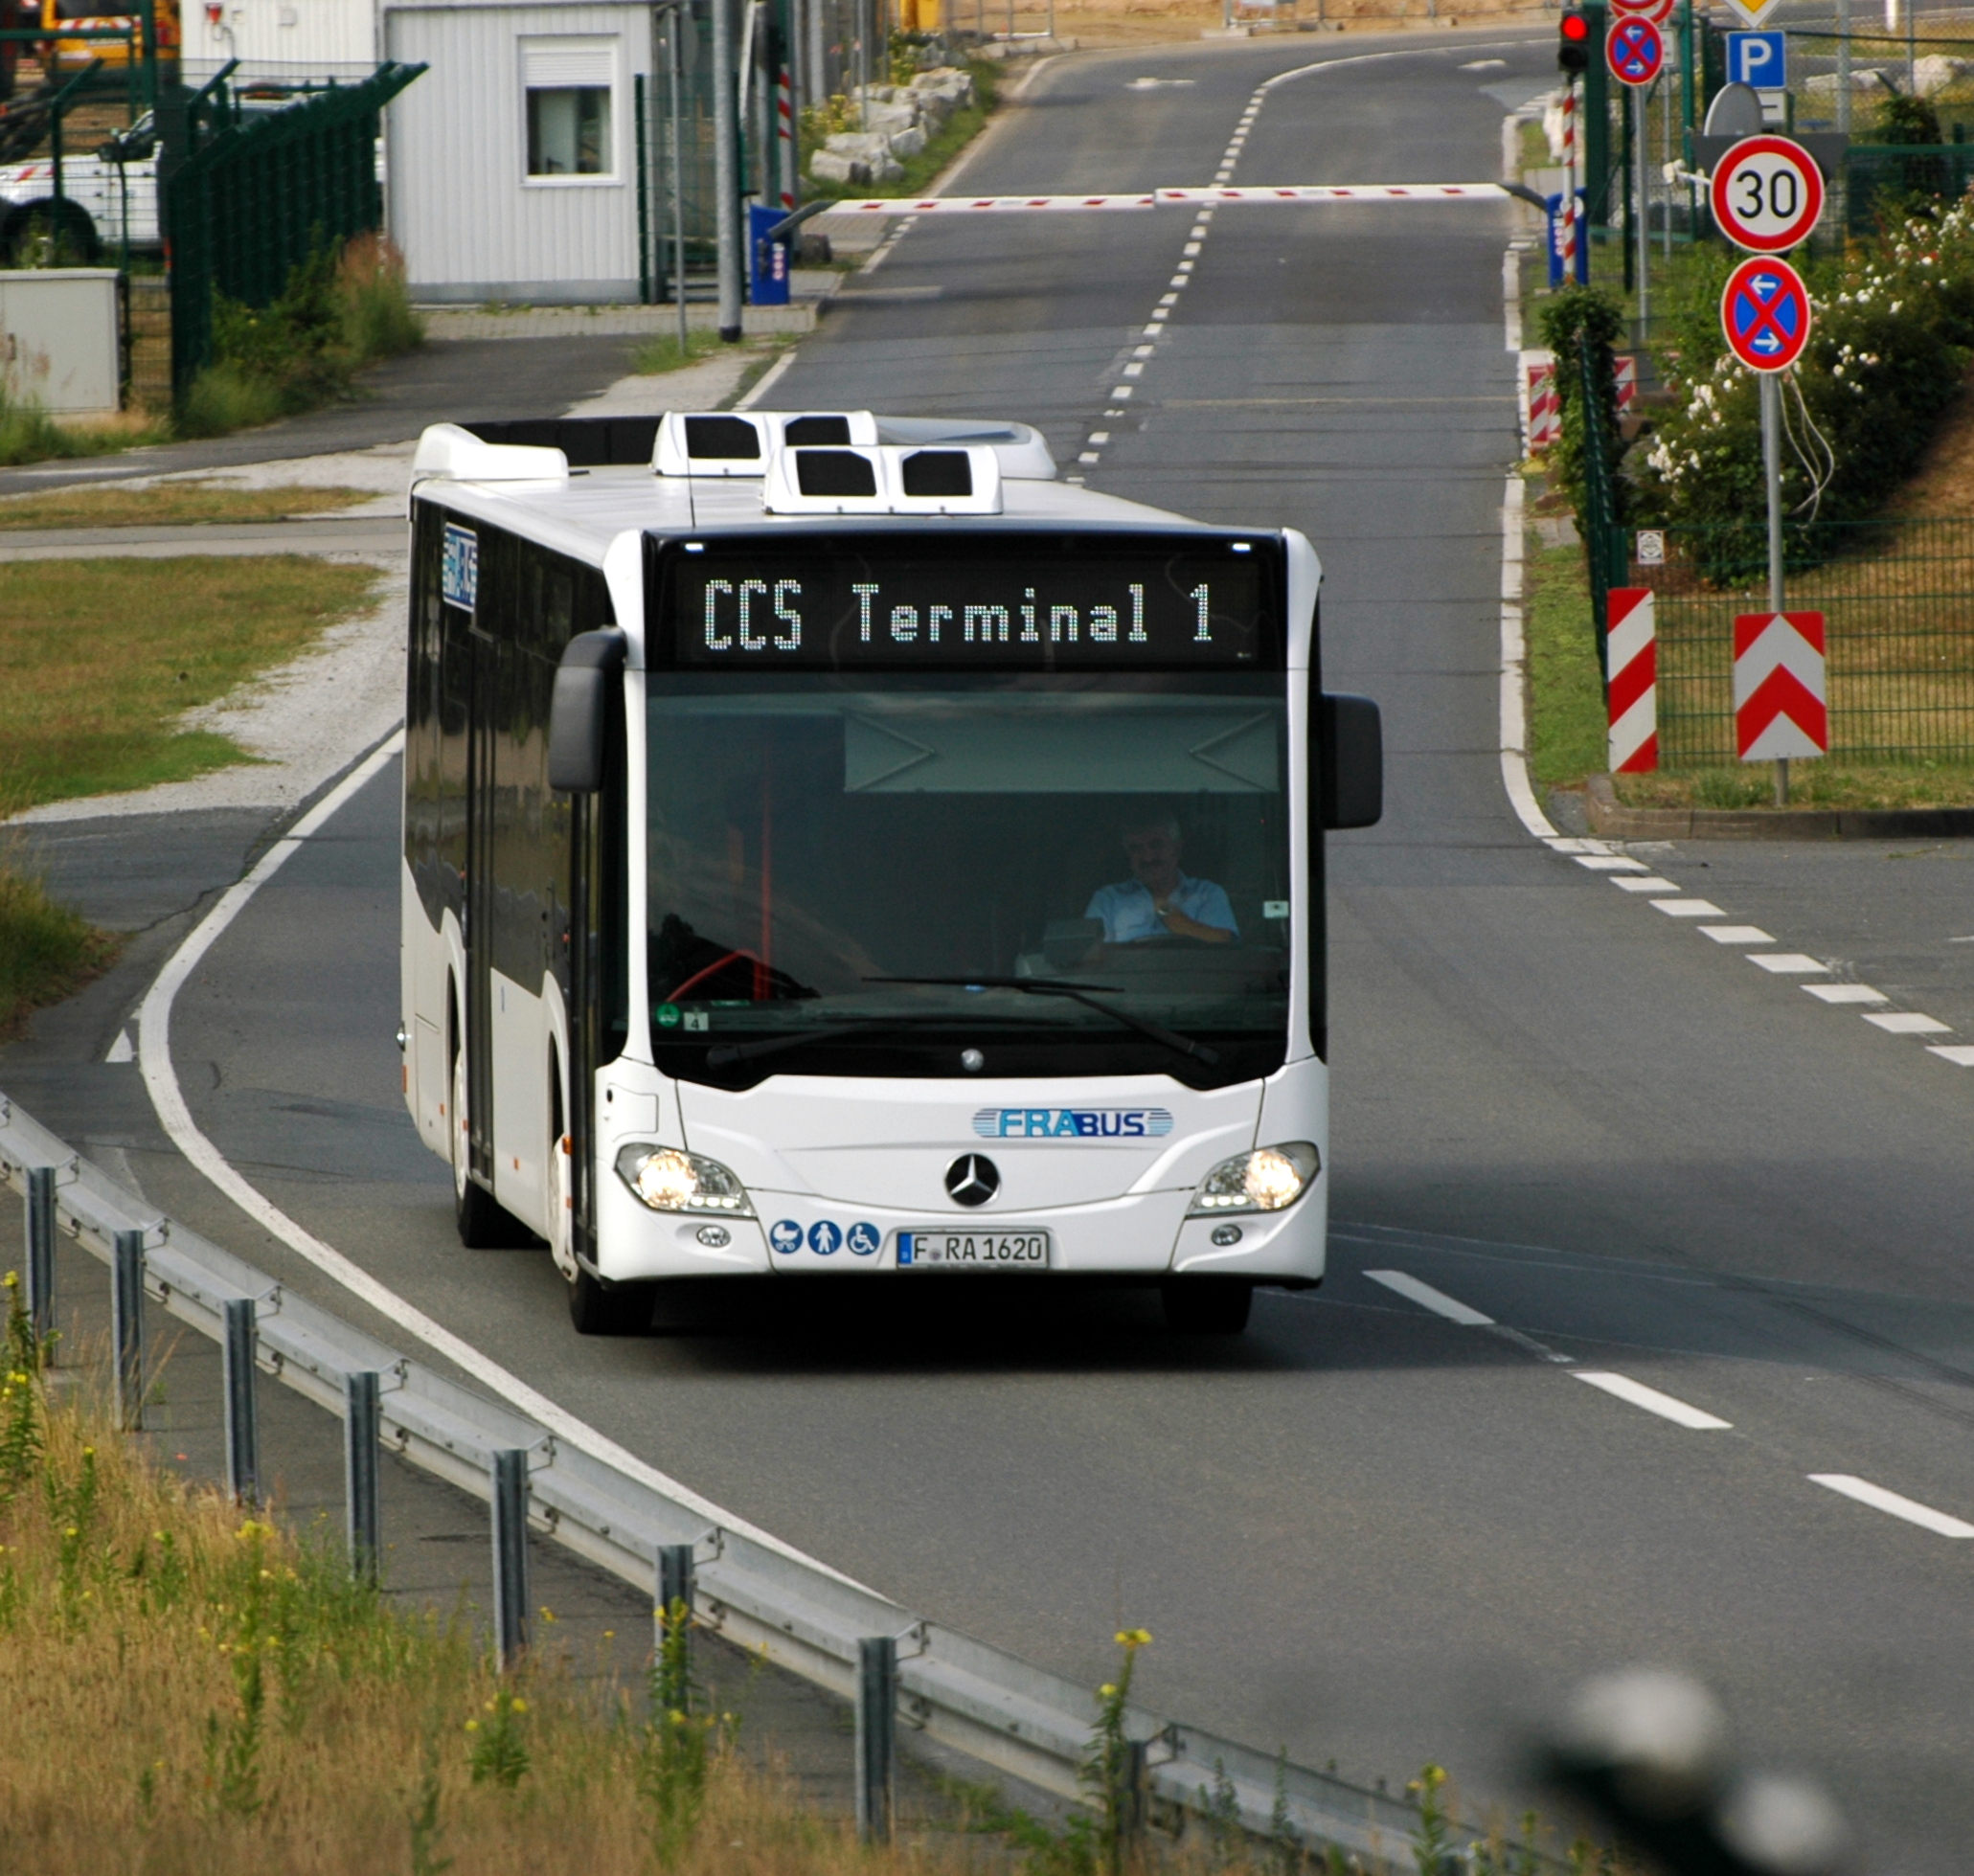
256, 198
1897, 600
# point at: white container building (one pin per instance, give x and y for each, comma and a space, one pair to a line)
512, 160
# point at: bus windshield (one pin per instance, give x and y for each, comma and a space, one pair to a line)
882, 873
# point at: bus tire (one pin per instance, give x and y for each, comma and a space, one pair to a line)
77, 240
1206, 1306
597, 1308
483, 1223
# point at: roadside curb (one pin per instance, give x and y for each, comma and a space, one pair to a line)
1599, 808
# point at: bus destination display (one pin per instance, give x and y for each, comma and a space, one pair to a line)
1033, 602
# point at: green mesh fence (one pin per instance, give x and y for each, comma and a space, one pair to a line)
256, 197
1897, 600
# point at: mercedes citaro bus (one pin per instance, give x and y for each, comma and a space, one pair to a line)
835, 848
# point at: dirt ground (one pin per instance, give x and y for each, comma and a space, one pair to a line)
1944, 484
1165, 22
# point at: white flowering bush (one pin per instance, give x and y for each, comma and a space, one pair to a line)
1894, 334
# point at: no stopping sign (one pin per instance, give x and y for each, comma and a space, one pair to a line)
1766, 193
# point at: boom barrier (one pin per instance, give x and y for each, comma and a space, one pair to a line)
1352, 194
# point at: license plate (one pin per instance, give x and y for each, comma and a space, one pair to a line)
974, 1250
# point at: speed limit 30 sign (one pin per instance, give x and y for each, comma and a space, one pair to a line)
1767, 195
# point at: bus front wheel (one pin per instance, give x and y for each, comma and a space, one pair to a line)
618, 1309
1206, 1306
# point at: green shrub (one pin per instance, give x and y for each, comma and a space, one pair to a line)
342, 309
1891, 342
46, 949
1575, 317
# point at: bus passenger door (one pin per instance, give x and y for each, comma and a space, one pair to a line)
483, 727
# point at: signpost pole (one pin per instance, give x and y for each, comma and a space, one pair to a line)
1644, 159
1772, 475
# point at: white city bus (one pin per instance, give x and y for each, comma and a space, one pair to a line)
835, 848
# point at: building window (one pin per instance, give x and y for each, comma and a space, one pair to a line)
568, 91
569, 131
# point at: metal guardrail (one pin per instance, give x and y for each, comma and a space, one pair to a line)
976, 1699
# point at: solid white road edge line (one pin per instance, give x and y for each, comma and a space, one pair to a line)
1428, 1297
161, 1079
763, 384
1892, 1503
1668, 1407
1514, 654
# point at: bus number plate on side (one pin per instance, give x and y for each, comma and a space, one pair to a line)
974, 1250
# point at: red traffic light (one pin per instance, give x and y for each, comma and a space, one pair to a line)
1573, 43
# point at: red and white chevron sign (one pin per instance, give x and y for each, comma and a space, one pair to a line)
1780, 709
1632, 659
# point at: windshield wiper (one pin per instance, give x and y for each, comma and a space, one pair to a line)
1056, 987
730, 1052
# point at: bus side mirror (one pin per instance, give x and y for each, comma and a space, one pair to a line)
586, 686
1353, 744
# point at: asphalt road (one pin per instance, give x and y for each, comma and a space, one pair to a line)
1368, 1532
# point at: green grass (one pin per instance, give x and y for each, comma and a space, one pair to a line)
47, 951
27, 434
1566, 701
660, 352
170, 504
99, 660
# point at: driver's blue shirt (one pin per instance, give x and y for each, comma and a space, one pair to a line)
1125, 908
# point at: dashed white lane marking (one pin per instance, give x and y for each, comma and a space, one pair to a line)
1688, 908
1609, 863
121, 1049
1736, 933
1844, 993
1652, 883
1958, 1053
1668, 1407
1909, 1023
1791, 963
1893, 1503
1428, 1297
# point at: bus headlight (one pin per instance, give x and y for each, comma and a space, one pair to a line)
670, 1180
1266, 1180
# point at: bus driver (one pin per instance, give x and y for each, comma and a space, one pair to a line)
1159, 900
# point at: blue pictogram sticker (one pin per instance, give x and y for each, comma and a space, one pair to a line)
785, 1236
824, 1237
863, 1239
459, 567
1073, 1122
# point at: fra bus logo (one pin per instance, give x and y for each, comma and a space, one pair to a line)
459, 567
1072, 1123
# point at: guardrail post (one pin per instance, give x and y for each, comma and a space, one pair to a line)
876, 1735
511, 1554
242, 1425
41, 1252
126, 1327
674, 1583
361, 1424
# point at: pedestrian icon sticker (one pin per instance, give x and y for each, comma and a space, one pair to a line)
824, 1237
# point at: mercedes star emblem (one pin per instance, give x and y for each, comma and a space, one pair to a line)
972, 1179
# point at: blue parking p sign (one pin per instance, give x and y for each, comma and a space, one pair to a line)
1759, 60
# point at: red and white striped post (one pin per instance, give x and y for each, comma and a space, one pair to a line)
1631, 658
1545, 405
